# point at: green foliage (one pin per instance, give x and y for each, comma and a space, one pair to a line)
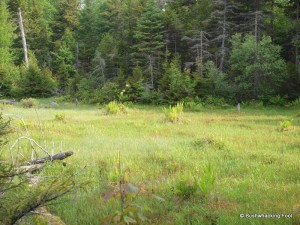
149, 31
87, 88
193, 106
151, 97
35, 82
61, 117
296, 103
29, 103
109, 92
186, 188
8, 73
215, 101
115, 107
173, 113
176, 85
285, 125
4, 130
207, 180
277, 100
256, 67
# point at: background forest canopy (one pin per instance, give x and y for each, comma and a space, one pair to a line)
154, 51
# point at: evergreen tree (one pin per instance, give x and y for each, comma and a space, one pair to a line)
256, 67
7, 70
176, 85
149, 40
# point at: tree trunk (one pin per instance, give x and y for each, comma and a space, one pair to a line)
297, 61
23, 38
221, 67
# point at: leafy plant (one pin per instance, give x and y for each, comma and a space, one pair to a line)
29, 103
173, 113
194, 106
207, 180
114, 108
60, 117
277, 100
296, 103
130, 212
285, 125
186, 188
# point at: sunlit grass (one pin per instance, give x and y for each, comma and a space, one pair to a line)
256, 163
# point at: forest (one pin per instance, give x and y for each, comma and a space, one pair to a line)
149, 112
157, 52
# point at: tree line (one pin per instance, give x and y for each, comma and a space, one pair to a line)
154, 51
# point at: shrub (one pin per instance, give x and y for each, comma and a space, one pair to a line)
36, 83
173, 113
186, 188
194, 106
207, 180
277, 100
151, 97
215, 101
114, 108
60, 117
285, 125
296, 103
109, 92
29, 103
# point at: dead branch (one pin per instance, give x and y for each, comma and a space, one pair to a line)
59, 156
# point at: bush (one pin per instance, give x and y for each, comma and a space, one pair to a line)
215, 101
36, 83
186, 188
285, 125
29, 103
194, 106
151, 97
109, 92
173, 113
277, 100
296, 103
114, 108
60, 117
207, 181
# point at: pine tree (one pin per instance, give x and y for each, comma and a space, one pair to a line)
149, 39
7, 71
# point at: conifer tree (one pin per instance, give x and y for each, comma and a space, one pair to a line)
7, 70
149, 39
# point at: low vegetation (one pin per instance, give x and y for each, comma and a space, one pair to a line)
208, 169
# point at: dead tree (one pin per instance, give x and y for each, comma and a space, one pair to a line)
23, 38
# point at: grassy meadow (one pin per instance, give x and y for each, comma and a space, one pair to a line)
208, 168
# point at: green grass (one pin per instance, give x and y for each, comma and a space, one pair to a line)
256, 164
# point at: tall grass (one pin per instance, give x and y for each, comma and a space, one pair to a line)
241, 164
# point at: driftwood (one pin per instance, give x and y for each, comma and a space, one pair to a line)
59, 156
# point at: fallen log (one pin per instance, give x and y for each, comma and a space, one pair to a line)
59, 156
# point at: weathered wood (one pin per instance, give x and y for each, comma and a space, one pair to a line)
59, 156
23, 38
238, 108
